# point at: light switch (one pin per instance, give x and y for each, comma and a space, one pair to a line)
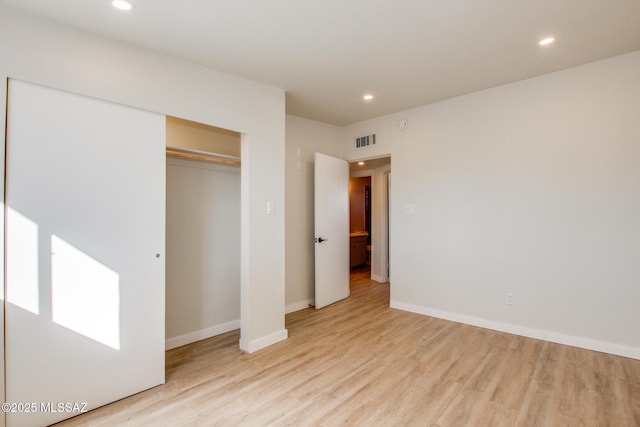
270, 208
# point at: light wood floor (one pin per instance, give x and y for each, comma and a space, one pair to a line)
358, 362
359, 273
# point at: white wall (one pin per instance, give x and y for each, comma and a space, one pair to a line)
529, 188
303, 138
203, 250
51, 55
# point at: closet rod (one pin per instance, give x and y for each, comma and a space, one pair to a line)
203, 155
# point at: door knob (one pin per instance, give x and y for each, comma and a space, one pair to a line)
320, 240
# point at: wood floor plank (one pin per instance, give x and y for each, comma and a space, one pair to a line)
360, 363
513, 379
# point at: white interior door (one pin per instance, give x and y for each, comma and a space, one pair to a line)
85, 252
331, 195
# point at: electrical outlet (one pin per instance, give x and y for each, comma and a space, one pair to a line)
508, 298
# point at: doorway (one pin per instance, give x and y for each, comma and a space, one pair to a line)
369, 218
360, 226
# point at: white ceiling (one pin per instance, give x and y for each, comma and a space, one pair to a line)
327, 53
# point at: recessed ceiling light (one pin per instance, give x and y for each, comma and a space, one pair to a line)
361, 163
546, 41
368, 97
122, 4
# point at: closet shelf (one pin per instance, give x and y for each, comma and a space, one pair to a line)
203, 155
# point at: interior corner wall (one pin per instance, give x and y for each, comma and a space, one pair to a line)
303, 138
203, 251
51, 55
529, 188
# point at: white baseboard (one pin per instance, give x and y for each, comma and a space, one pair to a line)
541, 334
296, 306
260, 343
202, 334
377, 278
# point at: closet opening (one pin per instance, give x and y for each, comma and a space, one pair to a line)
202, 231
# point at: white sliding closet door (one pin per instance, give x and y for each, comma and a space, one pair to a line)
85, 212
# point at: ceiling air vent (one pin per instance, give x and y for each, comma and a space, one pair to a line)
366, 140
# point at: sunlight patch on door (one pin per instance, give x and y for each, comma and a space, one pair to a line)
22, 262
85, 295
